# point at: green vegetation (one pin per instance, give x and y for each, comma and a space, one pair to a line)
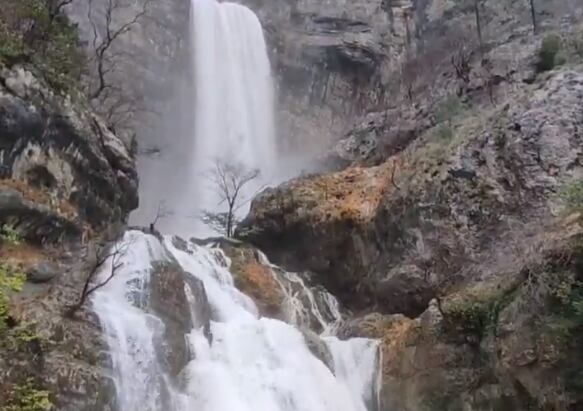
9, 235
11, 280
448, 108
476, 318
571, 194
32, 33
567, 324
27, 397
547, 55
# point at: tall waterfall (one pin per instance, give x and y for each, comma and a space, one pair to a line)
233, 112
236, 360
249, 364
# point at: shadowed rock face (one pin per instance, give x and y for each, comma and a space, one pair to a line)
61, 160
169, 300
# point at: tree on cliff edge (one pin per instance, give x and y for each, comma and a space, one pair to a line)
228, 181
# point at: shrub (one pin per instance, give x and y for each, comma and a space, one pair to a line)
9, 235
547, 55
11, 280
30, 33
571, 195
448, 108
445, 132
27, 397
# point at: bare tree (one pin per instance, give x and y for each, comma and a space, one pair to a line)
104, 255
55, 7
228, 182
110, 22
479, 24
461, 62
162, 212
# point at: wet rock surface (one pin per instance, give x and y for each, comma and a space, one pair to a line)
171, 288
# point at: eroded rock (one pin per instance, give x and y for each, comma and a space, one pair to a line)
172, 291
61, 156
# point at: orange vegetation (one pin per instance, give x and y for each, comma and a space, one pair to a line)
23, 255
354, 193
257, 282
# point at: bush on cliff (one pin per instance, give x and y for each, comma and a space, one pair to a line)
547, 55
36, 32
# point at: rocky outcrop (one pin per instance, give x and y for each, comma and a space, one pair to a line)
504, 343
401, 231
44, 353
61, 167
170, 295
337, 61
255, 279
318, 347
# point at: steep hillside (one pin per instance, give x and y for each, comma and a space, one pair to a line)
67, 184
452, 225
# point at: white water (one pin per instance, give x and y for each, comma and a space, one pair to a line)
252, 364
233, 112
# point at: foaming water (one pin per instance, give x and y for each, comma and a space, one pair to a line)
252, 363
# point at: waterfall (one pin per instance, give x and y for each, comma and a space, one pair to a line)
233, 112
249, 364
181, 336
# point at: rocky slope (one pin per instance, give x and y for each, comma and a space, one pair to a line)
448, 232
66, 181
338, 61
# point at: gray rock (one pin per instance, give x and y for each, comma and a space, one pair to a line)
64, 158
318, 347
43, 272
169, 300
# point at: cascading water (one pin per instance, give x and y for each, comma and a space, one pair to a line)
251, 363
237, 361
234, 95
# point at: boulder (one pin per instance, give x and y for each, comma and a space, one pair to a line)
318, 347
173, 292
43, 272
255, 278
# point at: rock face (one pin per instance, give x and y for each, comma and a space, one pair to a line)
44, 348
453, 239
336, 61
398, 231
327, 58
61, 167
495, 344
171, 291
255, 279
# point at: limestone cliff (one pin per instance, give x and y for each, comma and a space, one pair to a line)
67, 183
449, 218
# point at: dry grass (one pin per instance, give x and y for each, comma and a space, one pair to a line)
63, 208
24, 255
353, 194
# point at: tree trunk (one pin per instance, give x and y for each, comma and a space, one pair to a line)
230, 223
533, 15
479, 25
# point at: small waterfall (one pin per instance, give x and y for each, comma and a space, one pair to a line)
249, 364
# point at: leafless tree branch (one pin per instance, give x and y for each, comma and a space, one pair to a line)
112, 255
228, 182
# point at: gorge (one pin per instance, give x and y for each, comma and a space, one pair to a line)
291, 205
